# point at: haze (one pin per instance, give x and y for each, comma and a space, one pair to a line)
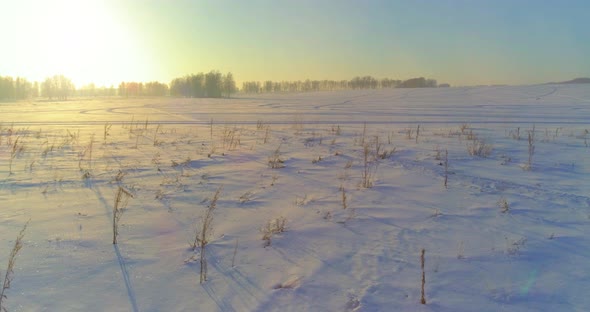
459, 42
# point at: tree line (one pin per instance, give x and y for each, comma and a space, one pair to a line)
58, 87
17, 88
365, 82
212, 85
153, 88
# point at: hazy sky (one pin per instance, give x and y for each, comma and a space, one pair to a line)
463, 42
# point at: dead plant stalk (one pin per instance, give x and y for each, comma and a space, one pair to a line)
8, 276
203, 234
121, 200
422, 260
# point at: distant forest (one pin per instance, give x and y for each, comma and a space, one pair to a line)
365, 82
210, 85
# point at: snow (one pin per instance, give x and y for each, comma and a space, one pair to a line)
172, 154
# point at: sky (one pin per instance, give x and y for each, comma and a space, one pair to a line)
461, 42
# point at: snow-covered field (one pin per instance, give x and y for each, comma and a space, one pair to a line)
500, 237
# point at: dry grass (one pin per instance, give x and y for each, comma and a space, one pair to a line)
272, 227
231, 138
446, 164
385, 154
298, 124
9, 275
86, 155
203, 233
15, 149
369, 169
503, 204
422, 260
513, 246
121, 200
156, 142
479, 148
531, 141
461, 250
260, 125
107, 128
274, 179
336, 130
119, 176
275, 161
464, 127
409, 133
233, 259
266, 134
471, 136
438, 154
515, 134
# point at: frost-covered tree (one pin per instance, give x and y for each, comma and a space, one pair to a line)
58, 86
251, 86
213, 84
229, 84
6, 88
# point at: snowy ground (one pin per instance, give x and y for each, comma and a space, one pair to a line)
58, 169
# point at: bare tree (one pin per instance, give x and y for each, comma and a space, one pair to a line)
229, 84
58, 86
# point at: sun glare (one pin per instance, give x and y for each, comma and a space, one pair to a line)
87, 42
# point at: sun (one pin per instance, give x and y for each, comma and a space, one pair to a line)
86, 41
